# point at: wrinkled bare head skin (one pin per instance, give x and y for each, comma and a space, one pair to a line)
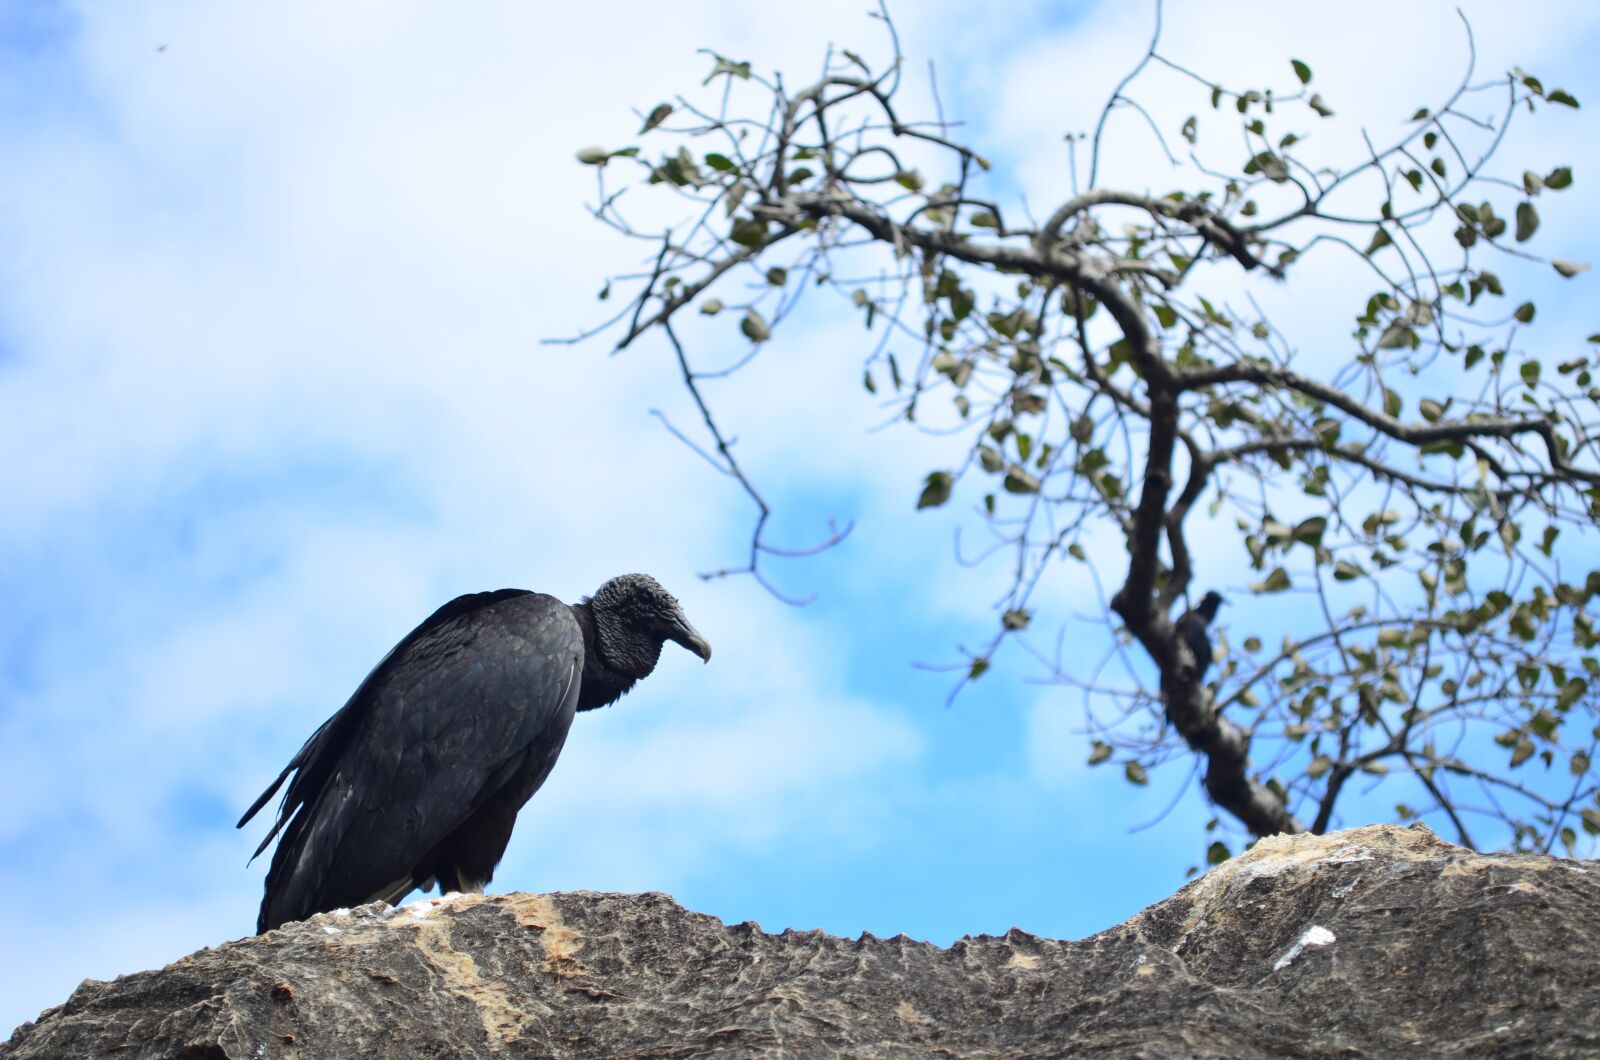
633, 617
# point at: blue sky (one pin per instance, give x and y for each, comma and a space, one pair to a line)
273, 283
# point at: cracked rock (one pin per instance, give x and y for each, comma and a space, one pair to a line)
1380, 941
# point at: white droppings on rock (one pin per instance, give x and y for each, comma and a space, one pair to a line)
1315, 936
330, 929
1345, 855
1340, 892
420, 909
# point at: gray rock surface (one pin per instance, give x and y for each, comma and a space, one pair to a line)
1380, 941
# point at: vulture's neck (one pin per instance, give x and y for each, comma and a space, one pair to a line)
602, 685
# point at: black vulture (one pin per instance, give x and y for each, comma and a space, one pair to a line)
417, 779
1194, 630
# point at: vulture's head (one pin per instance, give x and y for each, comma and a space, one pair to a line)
1209, 604
633, 617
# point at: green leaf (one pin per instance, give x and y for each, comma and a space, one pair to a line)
1217, 853
748, 232
1568, 269
1391, 402
720, 162
777, 276
1190, 129
979, 667
1135, 774
1301, 70
1316, 103
1276, 582
1559, 178
1099, 753
1380, 239
962, 302
594, 156
727, 66
1522, 752
1397, 335
711, 306
1310, 531
909, 179
1563, 97
1524, 312
1527, 221
657, 116
1018, 480
985, 219
755, 329
1345, 571
1319, 765
1269, 165
1530, 373
1431, 410
936, 489
1570, 692
1016, 618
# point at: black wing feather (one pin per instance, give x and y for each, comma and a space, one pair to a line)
316, 751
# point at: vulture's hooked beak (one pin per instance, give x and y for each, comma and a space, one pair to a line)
680, 632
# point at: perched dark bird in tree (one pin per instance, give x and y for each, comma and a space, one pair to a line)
417, 780
1194, 629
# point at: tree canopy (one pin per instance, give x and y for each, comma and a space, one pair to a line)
1428, 480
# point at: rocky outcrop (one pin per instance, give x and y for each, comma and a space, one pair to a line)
1380, 941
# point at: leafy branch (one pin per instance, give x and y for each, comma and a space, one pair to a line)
1095, 382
